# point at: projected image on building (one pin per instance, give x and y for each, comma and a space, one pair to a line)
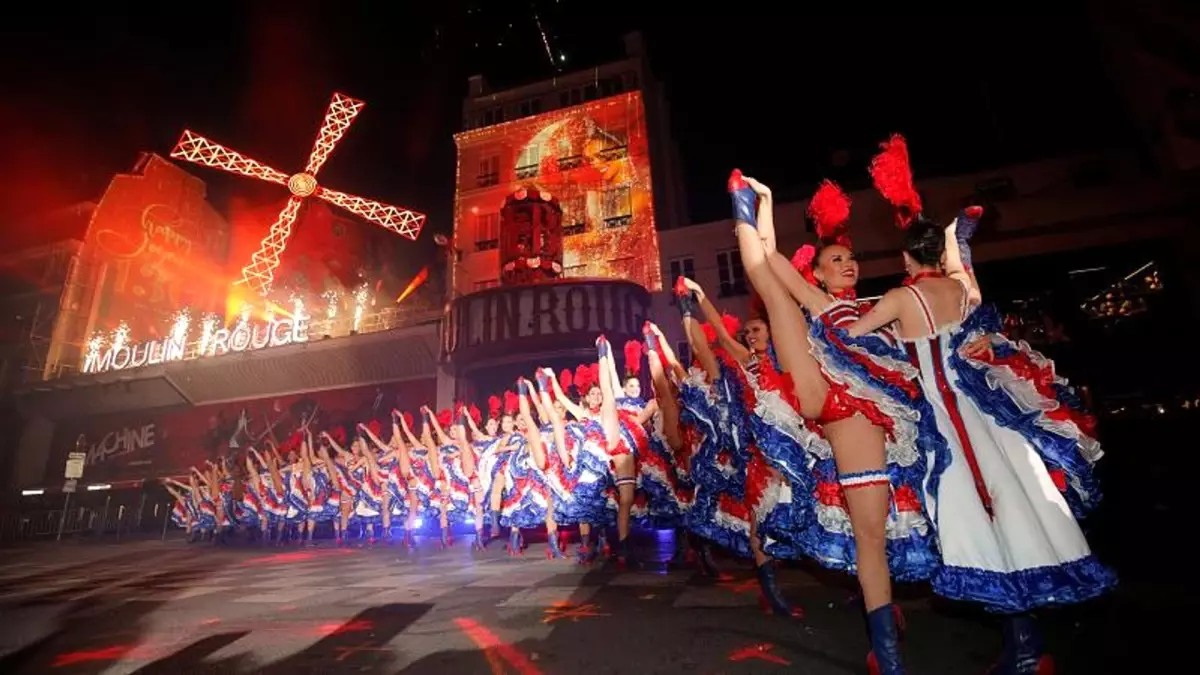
594, 160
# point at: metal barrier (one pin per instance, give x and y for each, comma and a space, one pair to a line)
113, 516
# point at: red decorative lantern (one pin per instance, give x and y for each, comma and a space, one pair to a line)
531, 238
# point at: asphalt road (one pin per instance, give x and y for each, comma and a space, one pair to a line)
172, 607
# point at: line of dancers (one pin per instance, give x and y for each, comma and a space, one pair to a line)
908, 440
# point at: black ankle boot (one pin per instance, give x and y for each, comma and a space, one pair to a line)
704, 556
1024, 651
884, 628
626, 555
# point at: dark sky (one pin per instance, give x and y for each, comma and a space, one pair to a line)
778, 95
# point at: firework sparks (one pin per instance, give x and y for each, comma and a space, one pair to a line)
362, 296
94, 345
120, 336
208, 329
331, 297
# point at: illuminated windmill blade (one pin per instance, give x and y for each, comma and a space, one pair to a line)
341, 113
198, 149
260, 273
401, 221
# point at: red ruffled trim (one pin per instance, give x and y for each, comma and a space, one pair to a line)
1043, 380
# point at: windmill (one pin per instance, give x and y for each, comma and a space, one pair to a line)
260, 272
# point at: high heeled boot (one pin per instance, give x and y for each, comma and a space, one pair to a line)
884, 627
586, 555
964, 229
514, 541
686, 301
745, 201
554, 546
772, 597
625, 555
704, 557
1024, 651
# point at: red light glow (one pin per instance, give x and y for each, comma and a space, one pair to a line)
761, 652
495, 649
260, 273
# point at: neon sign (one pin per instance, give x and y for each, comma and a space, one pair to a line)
246, 335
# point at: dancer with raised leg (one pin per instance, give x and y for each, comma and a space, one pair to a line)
763, 488
872, 432
623, 460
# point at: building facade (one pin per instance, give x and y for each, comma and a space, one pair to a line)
598, 142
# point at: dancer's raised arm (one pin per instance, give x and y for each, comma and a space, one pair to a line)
713, 316
476, 433
435, 424
958, 252
577, 411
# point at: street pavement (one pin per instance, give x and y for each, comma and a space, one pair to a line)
172, 607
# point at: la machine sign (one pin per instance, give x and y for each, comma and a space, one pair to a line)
507, 322
245, 336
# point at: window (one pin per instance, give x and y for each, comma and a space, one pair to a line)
732, 276
492, 116
489, 171
617, 207
574, 218
568, 157
528, 160
683, 351
610, 86
570, 97
575, 271
530, 107
680, 267
487, 231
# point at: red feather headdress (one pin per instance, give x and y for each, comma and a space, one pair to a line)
633, 358
583, 379
564, 380
374, 427
757, 309
892, 175
802, 260
710, 333
408, 419
444, 418
511, 404
829, 210
476, 417
494, 407
732, 324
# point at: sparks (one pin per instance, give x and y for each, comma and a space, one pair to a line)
208, 329
180, 326
361, 296
94, 345
120, 336
331, 297
298, 308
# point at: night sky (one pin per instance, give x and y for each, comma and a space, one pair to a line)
791, 98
